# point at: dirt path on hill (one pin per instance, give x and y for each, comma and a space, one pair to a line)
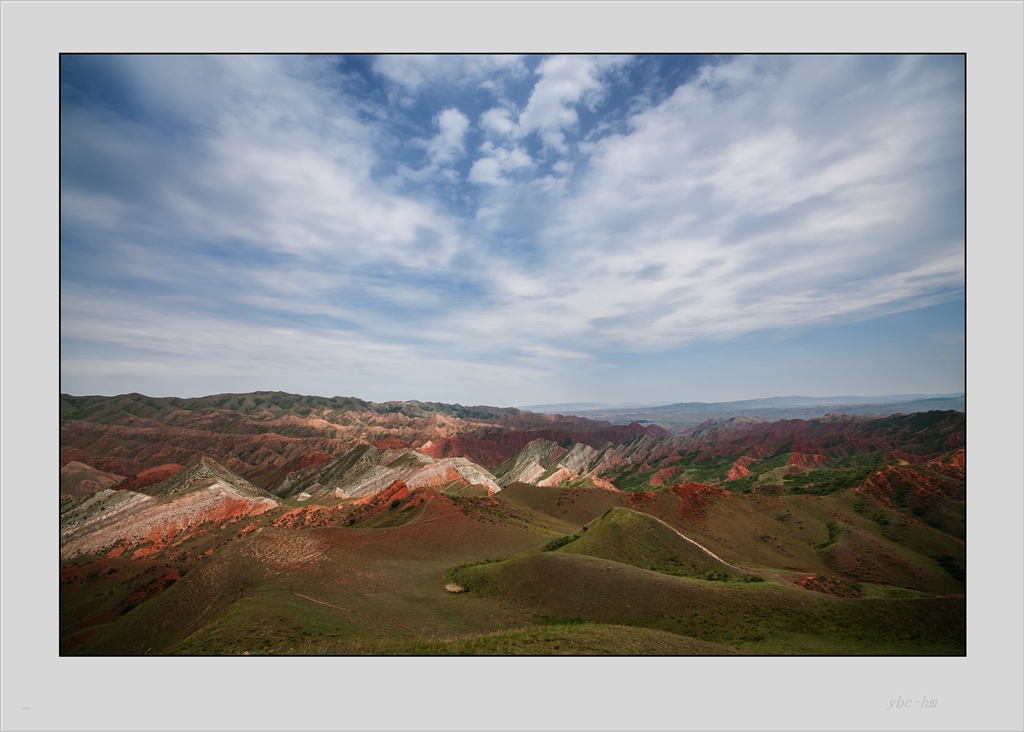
365, 615
704, 548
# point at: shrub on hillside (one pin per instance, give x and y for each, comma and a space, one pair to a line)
560, 542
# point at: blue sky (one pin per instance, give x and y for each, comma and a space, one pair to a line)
513, 230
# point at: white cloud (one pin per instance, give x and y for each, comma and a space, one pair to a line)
449, 144
565, 82
285, 169
498, 121
496, 163
763, 194
413, 73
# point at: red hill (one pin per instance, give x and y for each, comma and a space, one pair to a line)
142, 480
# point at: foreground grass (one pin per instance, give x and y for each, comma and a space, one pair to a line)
760, 618
571, 639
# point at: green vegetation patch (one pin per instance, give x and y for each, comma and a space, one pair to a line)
557, 620
545, 639
951, 565
458, 488
270, 620
392, 516
824, 482
558, 543
741, 485
631, 478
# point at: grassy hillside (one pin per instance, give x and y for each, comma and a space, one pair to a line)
751, 618
550, 637
628, 537
575, 504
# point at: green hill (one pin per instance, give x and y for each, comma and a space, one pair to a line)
758, 618
628, 537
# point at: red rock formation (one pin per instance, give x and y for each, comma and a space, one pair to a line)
375, 503
638, 500
803, 460
664, 475
602, 483
306, 461
305, 517
396, 491
142, 480
390, 443
954, 464
917, 488
73, 455
739, 468
695, 498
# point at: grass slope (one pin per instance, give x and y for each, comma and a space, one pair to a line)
628, 537
554, 639
752, 618
576, 505
279, 587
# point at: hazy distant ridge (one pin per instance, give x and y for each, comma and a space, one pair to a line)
771, 408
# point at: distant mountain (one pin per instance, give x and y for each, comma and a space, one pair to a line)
573, 407
112, 410
776, 408
265, 437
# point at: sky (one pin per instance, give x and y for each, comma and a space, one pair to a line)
513, 230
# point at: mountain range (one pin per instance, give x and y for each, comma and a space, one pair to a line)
273, 522
681, 415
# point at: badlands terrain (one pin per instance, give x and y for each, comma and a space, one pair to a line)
273, 523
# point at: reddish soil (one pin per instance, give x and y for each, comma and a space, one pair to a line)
305, 517
664, 475
85, 579
827, 586
390, 443
72, 455
152, 476
695, 498
117, 466
803, 460
374, 504
81, 480
603, 484
739, 468
309, 461
954, 465
884, 485
638, 500
396, 491
119, 549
